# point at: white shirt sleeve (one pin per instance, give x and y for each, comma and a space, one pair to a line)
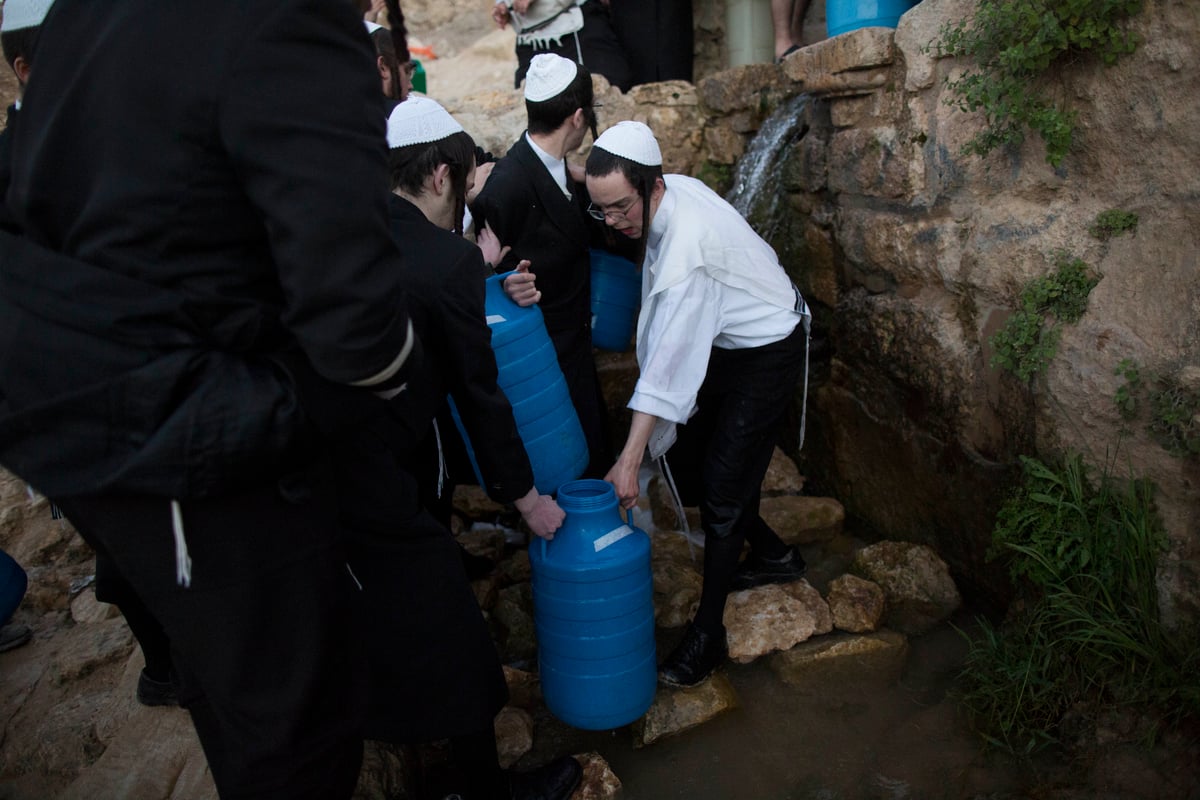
684, 321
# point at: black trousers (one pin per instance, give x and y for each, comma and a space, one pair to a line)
657, 36
267, 664
722, 453
597, 44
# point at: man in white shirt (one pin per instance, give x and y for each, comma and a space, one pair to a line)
721, 344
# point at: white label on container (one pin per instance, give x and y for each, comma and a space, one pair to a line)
492, 319
612, 537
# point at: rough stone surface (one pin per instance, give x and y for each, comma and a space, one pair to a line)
676, 592
768, 618
917, 584
514, 613
857, 605
524, 690
783, 476
677, 710
514, 735
803, 520
599, 782
879, 656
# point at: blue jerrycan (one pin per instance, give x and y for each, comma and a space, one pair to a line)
593, 601
616, 295
530, 377
843, 16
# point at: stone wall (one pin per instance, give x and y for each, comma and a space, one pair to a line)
914, 255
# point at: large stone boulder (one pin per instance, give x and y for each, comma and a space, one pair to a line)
776, 617
677, 710
917, 584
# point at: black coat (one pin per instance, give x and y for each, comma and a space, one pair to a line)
527, 211
446, 287
212, 252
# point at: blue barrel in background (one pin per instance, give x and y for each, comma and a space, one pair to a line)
530, 377
616, 295
593, 606
842, 16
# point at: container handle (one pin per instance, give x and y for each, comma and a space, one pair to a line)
543, 541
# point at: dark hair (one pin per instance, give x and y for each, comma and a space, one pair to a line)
399, 31
548, 116
412, 164
19, 43
641, 178
385, 48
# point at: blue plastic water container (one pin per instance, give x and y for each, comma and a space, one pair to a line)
13, 583
530, 377
842, 16
616, 295
593, 600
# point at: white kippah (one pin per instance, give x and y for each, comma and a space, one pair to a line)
548, 76
372, 26
419, 120
632, 140
20, 14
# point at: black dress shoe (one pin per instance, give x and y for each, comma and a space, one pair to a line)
151, 692
554, 781
758, 571
694, 658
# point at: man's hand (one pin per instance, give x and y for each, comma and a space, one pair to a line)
493, 251
482, 173
500, 15
521, 6
541, 513
520, 286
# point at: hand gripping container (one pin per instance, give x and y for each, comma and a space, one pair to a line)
594, 612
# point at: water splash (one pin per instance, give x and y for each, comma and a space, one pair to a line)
762, 163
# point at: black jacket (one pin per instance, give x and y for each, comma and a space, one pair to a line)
446, 289
219, 246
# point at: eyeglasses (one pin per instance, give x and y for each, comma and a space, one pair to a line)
409, 67
619, 211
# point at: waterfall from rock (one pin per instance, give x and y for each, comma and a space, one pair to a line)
755, 193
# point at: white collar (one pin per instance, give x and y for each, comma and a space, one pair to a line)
662, 218
557, 167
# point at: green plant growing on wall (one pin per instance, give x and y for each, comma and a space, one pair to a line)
1113, 222
1026, 343
1084, 632
1126, 397
1014, 44
1173, 408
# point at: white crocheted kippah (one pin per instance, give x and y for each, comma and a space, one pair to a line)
419, 120
632, 140
20, 14
548, 76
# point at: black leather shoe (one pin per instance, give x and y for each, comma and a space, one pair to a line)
151, 692
758, 571
694, 658
554, 781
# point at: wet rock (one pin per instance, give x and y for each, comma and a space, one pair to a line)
857, 605
676, 592
515, 568
677, 710
85, 608
803, 520
473, 503
487, 592
879, 655
768, 618
514, 735
485, 542
671, 545
524, 689
388, 772
783, 477
514, 613
157, 756
599, 782
916, 582
723, 145
92, 646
